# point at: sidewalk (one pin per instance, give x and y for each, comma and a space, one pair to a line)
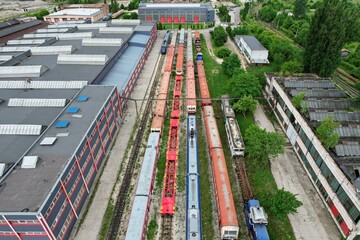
312, 221
90, 228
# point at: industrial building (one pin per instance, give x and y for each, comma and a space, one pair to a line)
72, 12
335, 172
63, 92
176, 12
254, 52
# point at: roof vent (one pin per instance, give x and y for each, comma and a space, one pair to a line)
73, 110
82, 98
48, 141
62, 124
29, 162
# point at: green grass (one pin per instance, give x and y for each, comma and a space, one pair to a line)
152, 230
107, 220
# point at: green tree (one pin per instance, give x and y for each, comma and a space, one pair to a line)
229, 32
220, 36
223, 52
330, 29
279, 59
300, 8
261, 144
133, 15
230, 64
292, 66
327, 134
122, 6
283, 203
245, 11
245, 104
223, 10
267, 13
298, 100
243, 84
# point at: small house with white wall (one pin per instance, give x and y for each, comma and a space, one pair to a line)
254, 52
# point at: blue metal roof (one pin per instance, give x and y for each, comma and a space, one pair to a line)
139, 39
82, 98
122, 70
62, 124
73, 110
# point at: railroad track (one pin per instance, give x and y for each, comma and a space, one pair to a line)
136, 144
243, 178
166, 228
347, 76
346, 87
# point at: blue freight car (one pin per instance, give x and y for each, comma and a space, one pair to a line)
193, 216
165, 42
257, 220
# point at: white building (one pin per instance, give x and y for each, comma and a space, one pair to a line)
92, 14
254, 52
334, 173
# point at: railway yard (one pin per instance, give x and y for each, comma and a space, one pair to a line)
177, 167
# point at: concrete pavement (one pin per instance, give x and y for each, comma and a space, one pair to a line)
312, 220
90, 228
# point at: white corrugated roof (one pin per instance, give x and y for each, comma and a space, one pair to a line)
52, 30
52, 50
102, 42
29, 162
77, 11
22, 71
40, 35
20, 129
14, 49
64, 25
61, 36
125, 21
5, 57
85, 59
48, 141
92, 25
42, 84
26, 41
115, 30
36, 102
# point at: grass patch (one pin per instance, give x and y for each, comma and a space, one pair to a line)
106, 220
152, 230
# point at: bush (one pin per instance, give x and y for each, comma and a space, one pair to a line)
39, 14
223, 52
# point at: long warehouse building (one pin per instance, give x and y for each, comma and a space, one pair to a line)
334, 172
176, 12
63, 95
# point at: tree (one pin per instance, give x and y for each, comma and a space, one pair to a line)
230, 64
245, 104
223, 52
122, 6
229, 32
243, 84
283, 203
261, 144
278, 58
300, 8
245, 11
292, 66
330, 29
298, 100
223, 10
220, 36
133, 15
327, 134
267, 13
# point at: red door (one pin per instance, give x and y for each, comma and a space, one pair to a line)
196, 19
344, 228
182, 19
169, 19
149, 19
176, 19
162, 19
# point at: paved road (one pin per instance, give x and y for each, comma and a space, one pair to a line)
91, 226
312, 221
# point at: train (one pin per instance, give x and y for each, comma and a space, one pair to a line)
197, 41
165, 42
169, 187
193, 208
233, 133
190, 77
256, 219
180, 52
228, 223
137, 225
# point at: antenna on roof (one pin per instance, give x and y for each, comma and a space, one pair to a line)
27, 84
